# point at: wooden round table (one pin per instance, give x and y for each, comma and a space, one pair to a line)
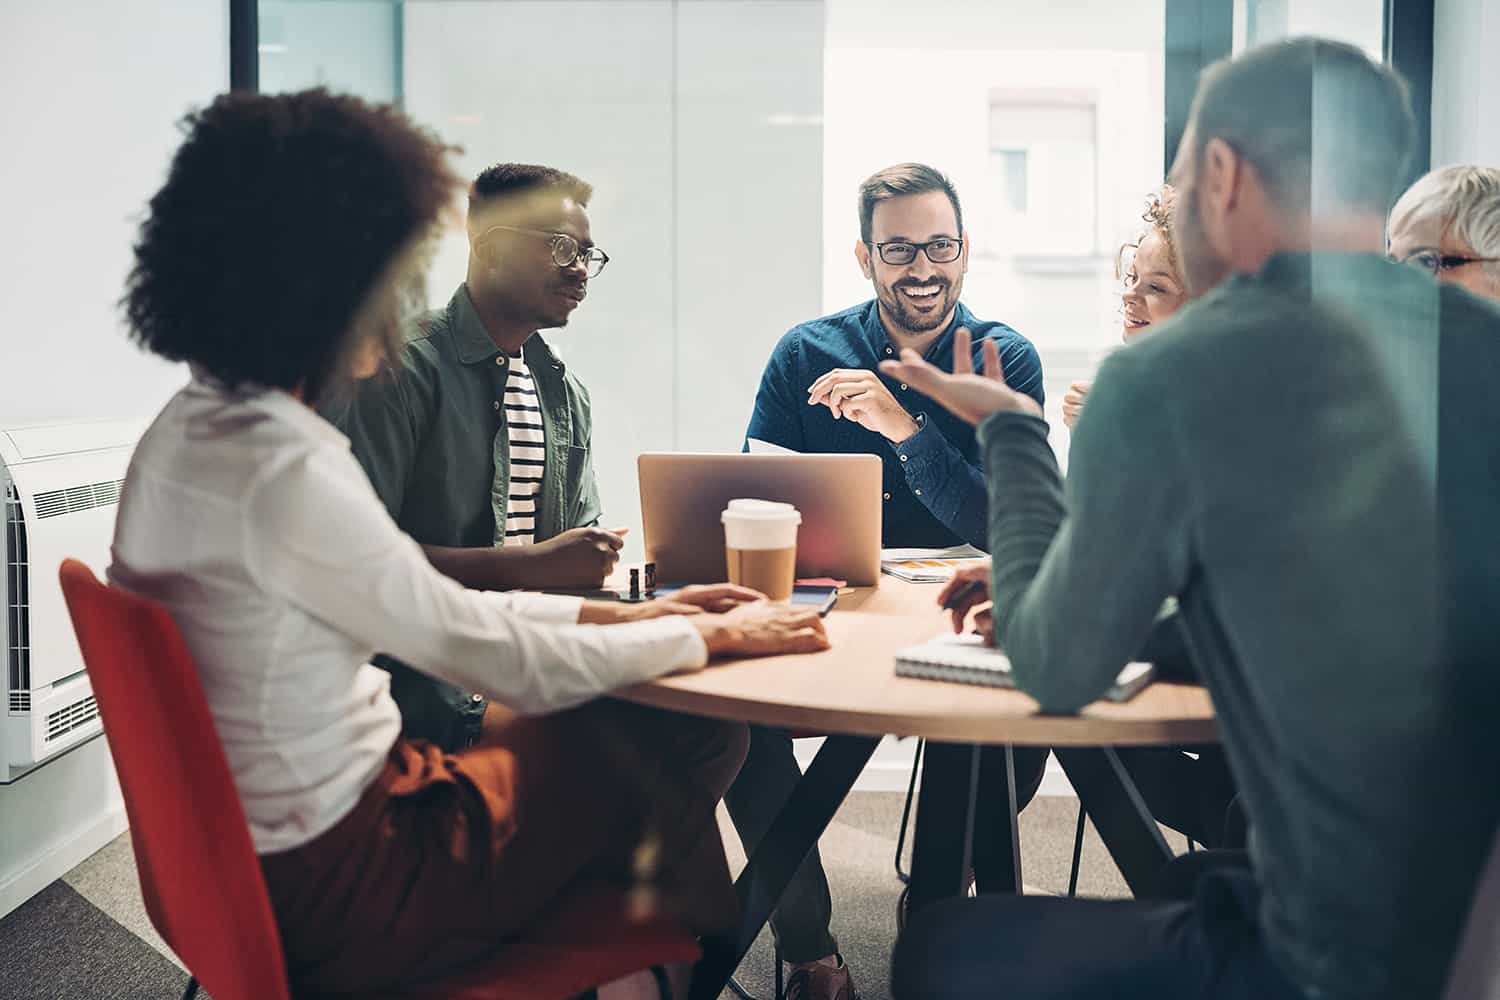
853, 688
851, 693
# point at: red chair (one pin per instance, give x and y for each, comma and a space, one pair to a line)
199, 874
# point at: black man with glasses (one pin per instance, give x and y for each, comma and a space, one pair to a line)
822, 392
478, 442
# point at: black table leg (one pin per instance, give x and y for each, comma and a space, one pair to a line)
804, 817
943, 842
1125, 824
997, 839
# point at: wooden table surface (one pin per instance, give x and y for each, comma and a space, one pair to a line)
853, 688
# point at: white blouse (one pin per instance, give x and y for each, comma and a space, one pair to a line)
250, 520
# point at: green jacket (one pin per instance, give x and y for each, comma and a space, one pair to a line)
432, 438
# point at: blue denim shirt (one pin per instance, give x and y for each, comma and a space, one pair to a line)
933, 482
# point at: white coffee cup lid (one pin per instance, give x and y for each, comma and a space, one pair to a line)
770, 510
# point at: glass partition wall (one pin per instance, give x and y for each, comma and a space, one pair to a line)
725, 140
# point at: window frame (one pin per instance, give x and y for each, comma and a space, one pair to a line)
1199, 32
244, 45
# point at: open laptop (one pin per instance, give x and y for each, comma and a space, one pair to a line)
682, 496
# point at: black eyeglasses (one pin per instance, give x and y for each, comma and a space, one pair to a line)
1436, 263
899, 252
565, 249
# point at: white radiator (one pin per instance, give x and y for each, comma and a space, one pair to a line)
61, 486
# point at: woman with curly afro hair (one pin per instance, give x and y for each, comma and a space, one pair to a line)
277, 260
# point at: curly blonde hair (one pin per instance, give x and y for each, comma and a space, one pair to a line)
1159, 211
1161, 205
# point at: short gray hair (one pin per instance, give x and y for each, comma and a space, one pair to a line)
1321, 123
1465, 201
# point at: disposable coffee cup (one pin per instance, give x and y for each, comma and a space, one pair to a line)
760, 546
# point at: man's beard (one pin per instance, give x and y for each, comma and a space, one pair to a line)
1201, 267
903, 316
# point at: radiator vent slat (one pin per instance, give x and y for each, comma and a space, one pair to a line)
20, 701
18, 600
67, 719
52, 503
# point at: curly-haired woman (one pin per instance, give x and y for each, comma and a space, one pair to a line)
276, 261
1153, 288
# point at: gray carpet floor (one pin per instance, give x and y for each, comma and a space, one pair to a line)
87, 935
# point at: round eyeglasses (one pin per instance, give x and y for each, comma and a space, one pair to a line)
565, 249
900, 253
1436, 263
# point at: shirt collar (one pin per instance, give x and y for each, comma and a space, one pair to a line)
473, 342
274, 403
469, 335
879, 339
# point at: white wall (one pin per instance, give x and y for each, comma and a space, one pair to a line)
93, 89
1466, 82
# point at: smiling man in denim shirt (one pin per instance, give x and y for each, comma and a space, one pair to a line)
822, 392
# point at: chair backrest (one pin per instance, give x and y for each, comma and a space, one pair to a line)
198, 870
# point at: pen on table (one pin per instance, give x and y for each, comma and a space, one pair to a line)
962, 594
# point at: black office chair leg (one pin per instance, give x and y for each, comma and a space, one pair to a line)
1077, 851
740, 991
192, 988
911, 789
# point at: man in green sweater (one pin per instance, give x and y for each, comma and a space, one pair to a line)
1306, 457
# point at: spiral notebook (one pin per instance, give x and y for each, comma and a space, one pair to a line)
965, 659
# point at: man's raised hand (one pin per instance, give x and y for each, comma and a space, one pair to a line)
969, 396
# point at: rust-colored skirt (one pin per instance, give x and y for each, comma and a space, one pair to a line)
448, 855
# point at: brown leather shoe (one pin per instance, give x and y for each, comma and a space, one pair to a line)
820, 982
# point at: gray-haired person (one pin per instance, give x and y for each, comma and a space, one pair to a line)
1449, 224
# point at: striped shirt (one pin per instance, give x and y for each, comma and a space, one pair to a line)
527, 441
